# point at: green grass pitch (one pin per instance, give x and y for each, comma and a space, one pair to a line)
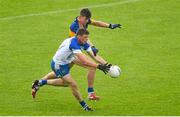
147, 49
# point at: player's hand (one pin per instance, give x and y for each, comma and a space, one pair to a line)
108, 64
104, 67
113, 26
95, 50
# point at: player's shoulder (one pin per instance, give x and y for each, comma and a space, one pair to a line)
85, 46
74, 43
74, 25
67, 40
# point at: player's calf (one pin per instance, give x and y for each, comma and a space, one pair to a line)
73, 85
38, 83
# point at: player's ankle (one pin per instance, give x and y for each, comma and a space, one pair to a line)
42, 82
90, 90
83, 104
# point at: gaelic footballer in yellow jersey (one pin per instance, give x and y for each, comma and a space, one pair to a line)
84, 20
76, 25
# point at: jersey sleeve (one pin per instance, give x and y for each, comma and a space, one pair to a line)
74, 26
75, 47
73, 29
90, 21
87, 47
75, 51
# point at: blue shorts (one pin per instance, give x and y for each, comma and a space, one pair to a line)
61, 71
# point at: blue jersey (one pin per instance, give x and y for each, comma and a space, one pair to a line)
65, 55
66, 51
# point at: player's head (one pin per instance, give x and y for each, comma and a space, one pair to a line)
85, 15
82, 35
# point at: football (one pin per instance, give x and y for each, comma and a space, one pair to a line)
114, 71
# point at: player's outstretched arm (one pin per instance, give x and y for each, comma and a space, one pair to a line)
99, 23
104, 24
94, 49
85, 61
97, 58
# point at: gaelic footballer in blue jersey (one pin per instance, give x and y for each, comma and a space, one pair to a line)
83, 21
69, 53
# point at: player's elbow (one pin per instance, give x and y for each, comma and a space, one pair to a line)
84, 63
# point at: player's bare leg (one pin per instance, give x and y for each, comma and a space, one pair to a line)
75, 91
45, 80
49, 79
57, 82
36, 85
90, 78
50, 75
54, 82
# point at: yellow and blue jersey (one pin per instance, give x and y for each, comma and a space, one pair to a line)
75, 27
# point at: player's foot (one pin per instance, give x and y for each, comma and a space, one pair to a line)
87, 108
35, 88
93, 96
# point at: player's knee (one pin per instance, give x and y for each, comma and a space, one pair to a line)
73, 85
91, 69
65, 85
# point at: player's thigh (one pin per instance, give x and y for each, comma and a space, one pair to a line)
51, 75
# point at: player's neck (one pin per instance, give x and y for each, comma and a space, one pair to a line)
79, 42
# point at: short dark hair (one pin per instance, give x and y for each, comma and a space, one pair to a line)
85, 12
82, 31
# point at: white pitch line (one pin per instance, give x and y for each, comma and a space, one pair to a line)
66, 10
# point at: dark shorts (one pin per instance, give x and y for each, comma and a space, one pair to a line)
60, 70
